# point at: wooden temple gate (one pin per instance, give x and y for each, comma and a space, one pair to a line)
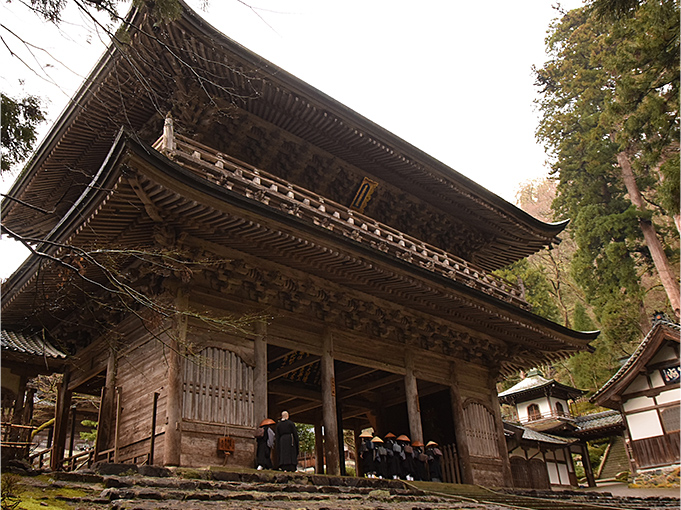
255, 289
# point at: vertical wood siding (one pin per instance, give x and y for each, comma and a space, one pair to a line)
218, 388
480, 430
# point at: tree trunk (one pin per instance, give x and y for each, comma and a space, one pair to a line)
664, 269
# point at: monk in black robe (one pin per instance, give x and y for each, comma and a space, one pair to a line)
288, 445
264, 437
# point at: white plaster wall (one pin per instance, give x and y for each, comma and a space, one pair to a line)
656, 379
669, 396
638, 384
638, 403
542, 402
644, 425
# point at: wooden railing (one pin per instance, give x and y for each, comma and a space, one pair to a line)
545, 416
277, 193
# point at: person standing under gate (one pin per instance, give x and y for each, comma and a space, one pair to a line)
264, 437
287, 442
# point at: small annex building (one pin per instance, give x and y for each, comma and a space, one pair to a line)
235, 243
546, 433
645, 390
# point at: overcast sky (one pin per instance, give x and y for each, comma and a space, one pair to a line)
453, 78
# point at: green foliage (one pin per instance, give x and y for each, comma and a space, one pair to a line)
90, 436
611, 88
537, 287
19, 119
10, 493
306, 438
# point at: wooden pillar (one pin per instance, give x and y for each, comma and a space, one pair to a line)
329, 406
501, 439
460, 434
412, 393
176, 342
107, 410
19, 402
586, 463
260, 372
61, 418
27, 418
72, 438
318, 448
358, 464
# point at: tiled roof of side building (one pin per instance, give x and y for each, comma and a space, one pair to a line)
28, 344
657, 324
598, 420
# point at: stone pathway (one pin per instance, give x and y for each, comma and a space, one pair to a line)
126, 487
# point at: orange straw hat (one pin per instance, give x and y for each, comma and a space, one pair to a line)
431, 443
366, 434
417, 443
389, 435
403, 438
267, 421
377, 440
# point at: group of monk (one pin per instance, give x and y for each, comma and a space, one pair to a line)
398, 458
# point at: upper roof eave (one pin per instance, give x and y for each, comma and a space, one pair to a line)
102, 184
539, 232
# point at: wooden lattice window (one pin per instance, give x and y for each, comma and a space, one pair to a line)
218, 388
481, 431
670, 419
533, 412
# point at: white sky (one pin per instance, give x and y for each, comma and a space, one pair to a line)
452, 78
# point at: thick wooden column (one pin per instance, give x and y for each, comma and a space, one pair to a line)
176, 342
459, 426
329, 406
107, 413
260, 372
318, 449
501, 439
412, 393
61, 418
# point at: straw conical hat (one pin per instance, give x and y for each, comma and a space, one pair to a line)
366, 434
403, 438
389, 435
431, 443
377, 440
417, 443
267, 421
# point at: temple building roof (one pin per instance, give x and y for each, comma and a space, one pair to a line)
30, 344
535, 385
271, 119
663, 330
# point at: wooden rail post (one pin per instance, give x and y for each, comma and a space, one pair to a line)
152, 439
329, 406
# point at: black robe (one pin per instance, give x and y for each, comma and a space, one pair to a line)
366, 453
434, 457
264, 448
288, 445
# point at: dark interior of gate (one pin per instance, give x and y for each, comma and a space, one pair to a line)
365, 397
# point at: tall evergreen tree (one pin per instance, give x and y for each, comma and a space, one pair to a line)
609, 103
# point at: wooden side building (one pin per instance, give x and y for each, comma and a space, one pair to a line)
190, 181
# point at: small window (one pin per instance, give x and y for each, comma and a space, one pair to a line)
670, 419
560, 411
533, 412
